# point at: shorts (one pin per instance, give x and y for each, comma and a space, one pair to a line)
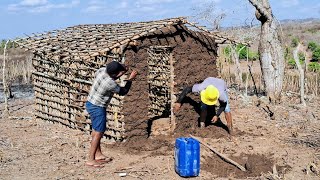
98, 117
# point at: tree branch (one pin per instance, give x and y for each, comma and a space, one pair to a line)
301, 74
4, 81
259, 7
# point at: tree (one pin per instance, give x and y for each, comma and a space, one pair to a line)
316, 54
210, 14
312, 46
270, 50
4, 82
301, 73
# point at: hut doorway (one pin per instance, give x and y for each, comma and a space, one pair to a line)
160, 81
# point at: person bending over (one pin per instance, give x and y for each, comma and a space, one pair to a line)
212, 90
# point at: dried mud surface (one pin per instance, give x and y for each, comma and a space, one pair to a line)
37, 149
194, 61
289, 141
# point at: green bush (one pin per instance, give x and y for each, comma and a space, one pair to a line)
243, 53
294, 42
314, 66
227, 51
253, 56
287, 53
312, 30
301, 56
9, 45
316, 54
312, 46
292, 62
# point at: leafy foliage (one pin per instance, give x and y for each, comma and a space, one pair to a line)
312, 46
316, 54
314, 66
301, 56
242, 50
294, 42
9, 45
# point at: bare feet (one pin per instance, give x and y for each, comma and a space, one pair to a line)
100, 156
103, 161
93, 163
230, 129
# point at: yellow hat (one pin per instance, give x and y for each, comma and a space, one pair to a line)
210, 95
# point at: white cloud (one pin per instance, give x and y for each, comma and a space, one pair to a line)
205, 1
33, 2
39, 6
289, 3
155, 1
128, 7
95, 6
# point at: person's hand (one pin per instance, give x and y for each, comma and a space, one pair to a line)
176, 107
214, 119
125, 67
133, 75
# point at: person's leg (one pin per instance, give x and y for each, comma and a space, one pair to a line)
203, 115
95, 142
98, 121
229, 121
99, 155
227, 113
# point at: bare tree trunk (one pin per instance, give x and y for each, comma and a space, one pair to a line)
238, 74
4, 82
270, 49
301, 74
247, 74
10, 95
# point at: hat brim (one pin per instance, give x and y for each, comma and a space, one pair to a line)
207, 101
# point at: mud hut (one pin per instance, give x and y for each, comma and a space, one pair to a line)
169, 54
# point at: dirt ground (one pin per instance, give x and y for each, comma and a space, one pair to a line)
290, 141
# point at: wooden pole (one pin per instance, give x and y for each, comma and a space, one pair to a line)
247, 74
4, 82
238, 72
172, 96
254, 83
225, 158
316, 84
301, 73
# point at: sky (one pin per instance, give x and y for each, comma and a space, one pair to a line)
26, 17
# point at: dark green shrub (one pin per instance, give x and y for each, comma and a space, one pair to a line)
312, 46
314, 66
301, 56
316, 54
294, 42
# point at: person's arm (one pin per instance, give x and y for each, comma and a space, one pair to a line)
184, 93
124, 90
222, 107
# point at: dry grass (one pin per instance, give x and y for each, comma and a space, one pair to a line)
290, 84
19, 66
305, 31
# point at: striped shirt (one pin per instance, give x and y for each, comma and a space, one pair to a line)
103, 88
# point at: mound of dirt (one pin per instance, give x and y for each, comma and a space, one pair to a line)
254, 163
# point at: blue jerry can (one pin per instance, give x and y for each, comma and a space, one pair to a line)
187, 157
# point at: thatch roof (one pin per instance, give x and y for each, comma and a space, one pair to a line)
85, 41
